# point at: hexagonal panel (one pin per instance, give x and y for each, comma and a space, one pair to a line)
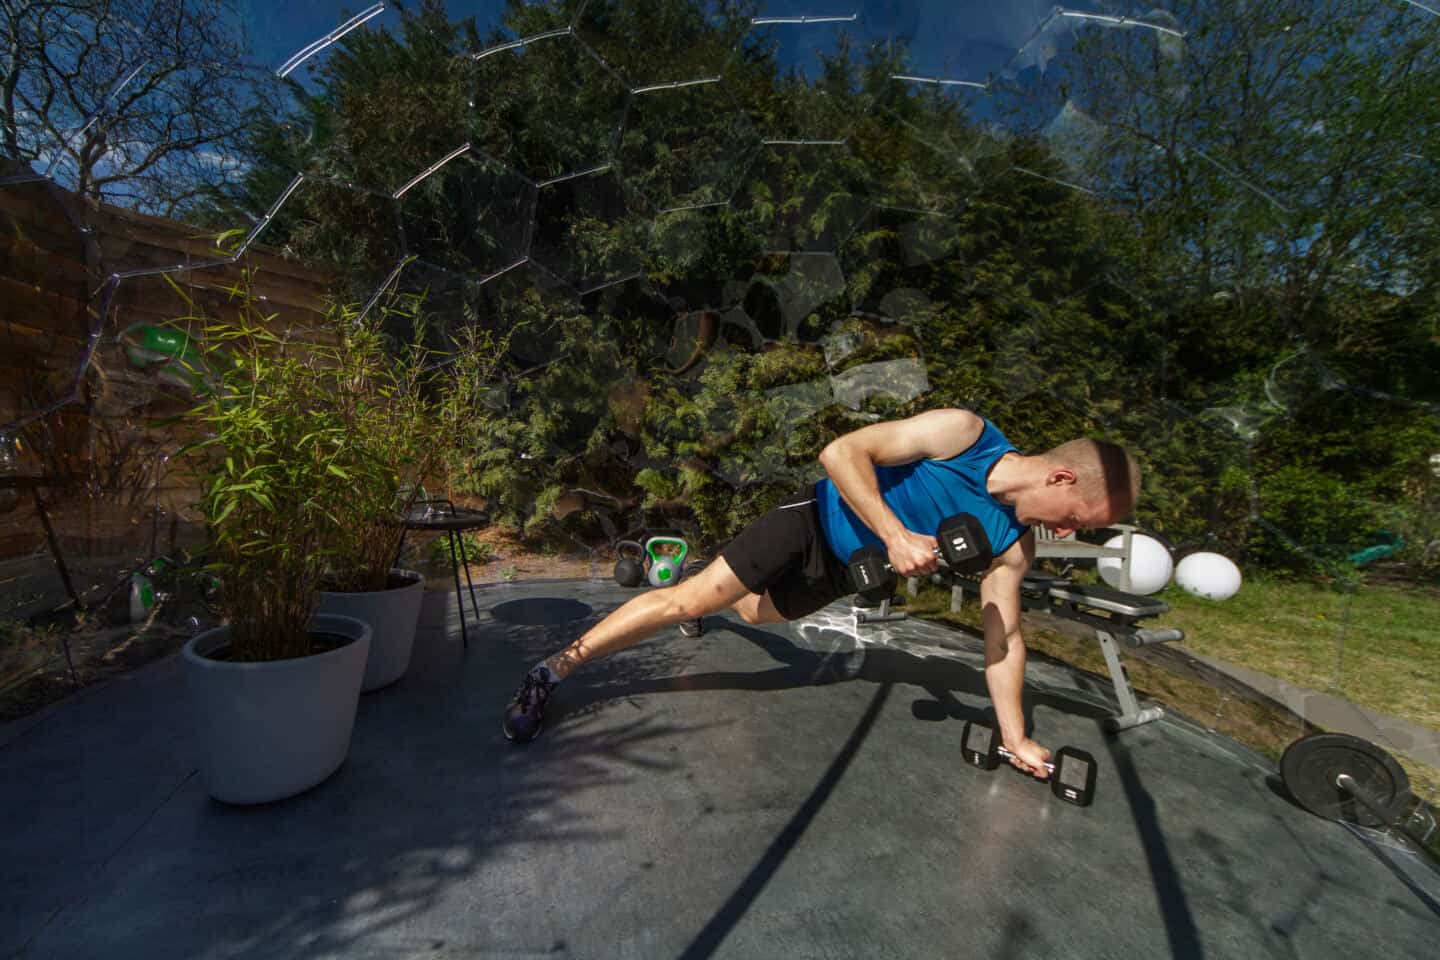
981, 39
548, 108
685, 42
799, 75
927, 149
790, 297
803, 198
526, 305
442, 302
894, 250
685, 147
471, 215
355, 233
584, 232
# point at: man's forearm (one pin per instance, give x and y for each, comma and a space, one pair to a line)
853, 474
1005, 676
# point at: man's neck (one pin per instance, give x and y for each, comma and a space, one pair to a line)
1011, 474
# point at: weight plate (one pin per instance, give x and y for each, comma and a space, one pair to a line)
1312, 764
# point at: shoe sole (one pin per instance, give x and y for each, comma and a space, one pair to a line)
513, 740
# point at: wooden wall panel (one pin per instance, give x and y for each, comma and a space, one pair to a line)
56, 255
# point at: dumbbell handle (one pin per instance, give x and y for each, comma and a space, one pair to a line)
887, 565
1010, 756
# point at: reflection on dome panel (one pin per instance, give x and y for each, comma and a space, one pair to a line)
45, 336
355, 233
685, 43
583, 231
685, 147
472, 215
803, 197
549, 108
799, 77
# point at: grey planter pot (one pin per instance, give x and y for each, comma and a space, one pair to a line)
270, 730
392, 615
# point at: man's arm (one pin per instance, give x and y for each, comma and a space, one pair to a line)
1005, 650
850, 460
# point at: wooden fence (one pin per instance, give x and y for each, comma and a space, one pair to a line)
61, 315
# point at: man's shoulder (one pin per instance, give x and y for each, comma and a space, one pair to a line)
1015, 560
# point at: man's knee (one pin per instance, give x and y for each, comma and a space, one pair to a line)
757, 608
711, 590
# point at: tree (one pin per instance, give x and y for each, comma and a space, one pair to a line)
136, 102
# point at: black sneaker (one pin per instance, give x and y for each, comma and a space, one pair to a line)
692, 628
526, 713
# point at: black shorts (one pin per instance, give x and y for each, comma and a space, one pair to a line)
785, 552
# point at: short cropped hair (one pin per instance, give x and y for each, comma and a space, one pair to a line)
1105, 472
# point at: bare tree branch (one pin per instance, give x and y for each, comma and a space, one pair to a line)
72, 96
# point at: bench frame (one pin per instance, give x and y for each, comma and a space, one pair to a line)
1114, 615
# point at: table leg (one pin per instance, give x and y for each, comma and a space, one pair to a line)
465, 560
459, 597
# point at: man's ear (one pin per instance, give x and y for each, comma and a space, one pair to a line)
1060, 476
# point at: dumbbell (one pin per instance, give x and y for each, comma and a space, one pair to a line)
1072, 772
963, 546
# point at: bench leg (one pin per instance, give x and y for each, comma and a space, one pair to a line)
957, 598
883, 615
1130, 714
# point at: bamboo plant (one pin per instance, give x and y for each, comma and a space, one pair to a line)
272, 463
402, 405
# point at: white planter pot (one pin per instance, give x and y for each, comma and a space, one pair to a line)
271, 730
392, 615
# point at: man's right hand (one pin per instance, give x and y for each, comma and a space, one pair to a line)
912, 554
1029, 756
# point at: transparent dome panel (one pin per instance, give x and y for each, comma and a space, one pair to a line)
584, 232
472, 214
685, 43
686, 146
548, 108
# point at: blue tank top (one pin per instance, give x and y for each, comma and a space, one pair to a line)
923, 493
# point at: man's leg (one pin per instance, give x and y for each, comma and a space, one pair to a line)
713, 589
758, 608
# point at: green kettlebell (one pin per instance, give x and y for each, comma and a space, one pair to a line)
630, 571
665, 568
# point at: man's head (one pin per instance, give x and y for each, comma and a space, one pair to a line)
1081, 484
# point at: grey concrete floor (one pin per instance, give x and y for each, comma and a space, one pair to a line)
761, 792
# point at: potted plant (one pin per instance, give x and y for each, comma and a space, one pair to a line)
384, 409
402, 405
275, 689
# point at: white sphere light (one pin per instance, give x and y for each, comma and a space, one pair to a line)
1208, 575
1150, 564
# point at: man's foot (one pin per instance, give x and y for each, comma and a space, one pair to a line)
692, 628
526, 713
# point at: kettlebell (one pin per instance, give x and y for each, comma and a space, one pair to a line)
665, 568
630, 571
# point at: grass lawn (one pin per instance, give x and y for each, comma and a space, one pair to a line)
1378, 647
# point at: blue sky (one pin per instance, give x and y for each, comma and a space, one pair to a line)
951, 37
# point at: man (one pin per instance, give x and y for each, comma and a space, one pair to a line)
889, 484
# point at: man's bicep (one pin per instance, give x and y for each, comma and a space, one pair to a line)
1000, 587
933, 435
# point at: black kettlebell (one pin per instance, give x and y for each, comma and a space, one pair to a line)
630, 571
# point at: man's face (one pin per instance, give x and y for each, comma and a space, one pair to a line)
1059, 507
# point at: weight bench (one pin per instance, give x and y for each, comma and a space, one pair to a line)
1113, 614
